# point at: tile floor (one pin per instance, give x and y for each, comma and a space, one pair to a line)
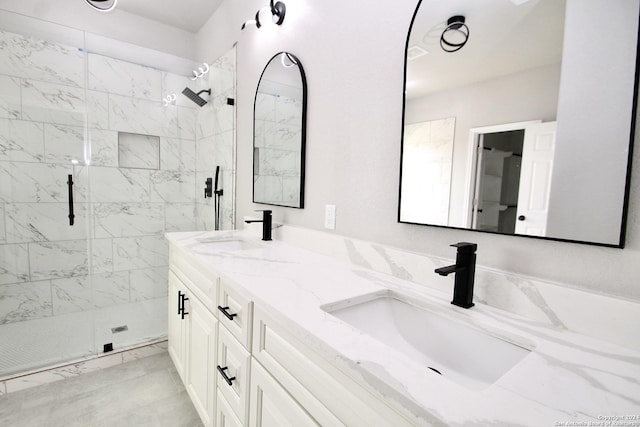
144, 392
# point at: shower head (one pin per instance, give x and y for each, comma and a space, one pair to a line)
195, 97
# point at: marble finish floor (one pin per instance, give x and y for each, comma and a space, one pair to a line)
144, 392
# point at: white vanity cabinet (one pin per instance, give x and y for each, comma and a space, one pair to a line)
242, 368
193, 330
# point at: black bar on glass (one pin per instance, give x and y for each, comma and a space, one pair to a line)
70, 184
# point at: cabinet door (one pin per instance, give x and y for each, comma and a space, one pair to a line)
201, 359
271, 405
177, 326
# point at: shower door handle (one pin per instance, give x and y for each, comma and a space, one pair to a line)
70, 184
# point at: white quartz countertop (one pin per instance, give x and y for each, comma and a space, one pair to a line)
567, 379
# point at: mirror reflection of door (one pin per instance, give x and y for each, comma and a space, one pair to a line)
512, 179
498, 169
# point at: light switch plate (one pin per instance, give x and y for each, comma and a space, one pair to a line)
330, 217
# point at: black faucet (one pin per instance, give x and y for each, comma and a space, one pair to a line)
266, 224
465, 270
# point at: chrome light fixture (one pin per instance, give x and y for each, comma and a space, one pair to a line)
278, 11
455, 35
102, 5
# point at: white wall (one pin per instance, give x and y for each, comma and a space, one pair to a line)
583, 190
353, 57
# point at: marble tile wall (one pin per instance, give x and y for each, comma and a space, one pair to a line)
128, 191
277, 149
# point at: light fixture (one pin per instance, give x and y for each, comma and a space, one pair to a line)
287, 56
278, 10
102, 5
455, 35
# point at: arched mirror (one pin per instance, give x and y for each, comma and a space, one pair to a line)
279, 133
518, 117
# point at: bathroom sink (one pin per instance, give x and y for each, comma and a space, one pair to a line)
229, 244
466, 354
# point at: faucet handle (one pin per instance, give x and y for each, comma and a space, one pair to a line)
466, 247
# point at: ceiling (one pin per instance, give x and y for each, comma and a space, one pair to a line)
506, 36
189, 15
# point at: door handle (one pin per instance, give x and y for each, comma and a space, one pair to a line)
70, 184
522, 218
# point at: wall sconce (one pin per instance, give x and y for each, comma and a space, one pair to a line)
200, 72
278, 10
455, 35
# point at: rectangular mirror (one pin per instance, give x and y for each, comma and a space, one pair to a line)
541, 97
279, 133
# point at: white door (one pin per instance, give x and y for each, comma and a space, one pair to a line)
535, 178
202, 356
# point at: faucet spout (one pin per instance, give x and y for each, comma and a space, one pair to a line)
266, 224
445, 271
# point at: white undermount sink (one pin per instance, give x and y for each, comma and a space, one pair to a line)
468, 355
230, 244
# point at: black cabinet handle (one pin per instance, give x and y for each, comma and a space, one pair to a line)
224, 375
184, 313
70, 184
521, 218
226, 313
180, 295
181, 299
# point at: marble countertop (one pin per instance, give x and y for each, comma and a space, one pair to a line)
567, 378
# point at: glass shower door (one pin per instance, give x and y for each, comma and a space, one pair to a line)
46, 296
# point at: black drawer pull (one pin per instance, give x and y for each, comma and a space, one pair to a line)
226, 313
224, 375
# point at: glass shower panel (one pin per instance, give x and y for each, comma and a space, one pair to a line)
45, 256
215, 143
138, 157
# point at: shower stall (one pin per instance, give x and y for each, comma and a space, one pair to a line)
98, 159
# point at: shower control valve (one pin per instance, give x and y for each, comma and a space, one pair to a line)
208, 189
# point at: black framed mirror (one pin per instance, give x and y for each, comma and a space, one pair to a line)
527, 128
279, 133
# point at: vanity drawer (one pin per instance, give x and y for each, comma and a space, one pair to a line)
311, 379
224, 414
204, 286
235, 312
233, 373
